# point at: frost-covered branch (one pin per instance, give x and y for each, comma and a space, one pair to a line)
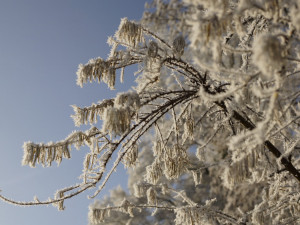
214, 113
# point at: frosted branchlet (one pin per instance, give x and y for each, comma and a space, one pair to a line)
139, 190
130, 33
60, 204
90, 114
96, 70
87, 161
109, 77
188, 129
114, 45
90, 71
127, 207
116, 121
129, 99
175, 160
153, 172
45, 154
197, 176
239, 171
192, 215
29, 157
131, 156
34, 153
98, 215
157, 148
178, 46
79, 117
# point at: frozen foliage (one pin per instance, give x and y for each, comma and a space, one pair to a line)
90, 114
129, 33
210, 132
97, 69
45, 154
117, 119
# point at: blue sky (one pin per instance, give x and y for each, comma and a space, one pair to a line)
41, 44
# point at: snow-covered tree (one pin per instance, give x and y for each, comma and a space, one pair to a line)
210, 133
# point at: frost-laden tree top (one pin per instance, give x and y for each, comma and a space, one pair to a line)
210, 132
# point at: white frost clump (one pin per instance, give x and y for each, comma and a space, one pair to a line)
90, 114
97, 215
129, 33
60, 204
97, 70
175, 161
131, 156
127, 207
193, 215
44, 154
117, 119
188, 129
128, 99
151, 196
268, 54
139, 190
154, 172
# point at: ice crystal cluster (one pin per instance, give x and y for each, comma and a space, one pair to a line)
129, 33
117, 119
209, 133
45, 154
90, 114
96, 70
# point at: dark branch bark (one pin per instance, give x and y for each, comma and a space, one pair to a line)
237, 116
285, 162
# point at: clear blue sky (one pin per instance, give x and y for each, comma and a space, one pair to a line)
41, 44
